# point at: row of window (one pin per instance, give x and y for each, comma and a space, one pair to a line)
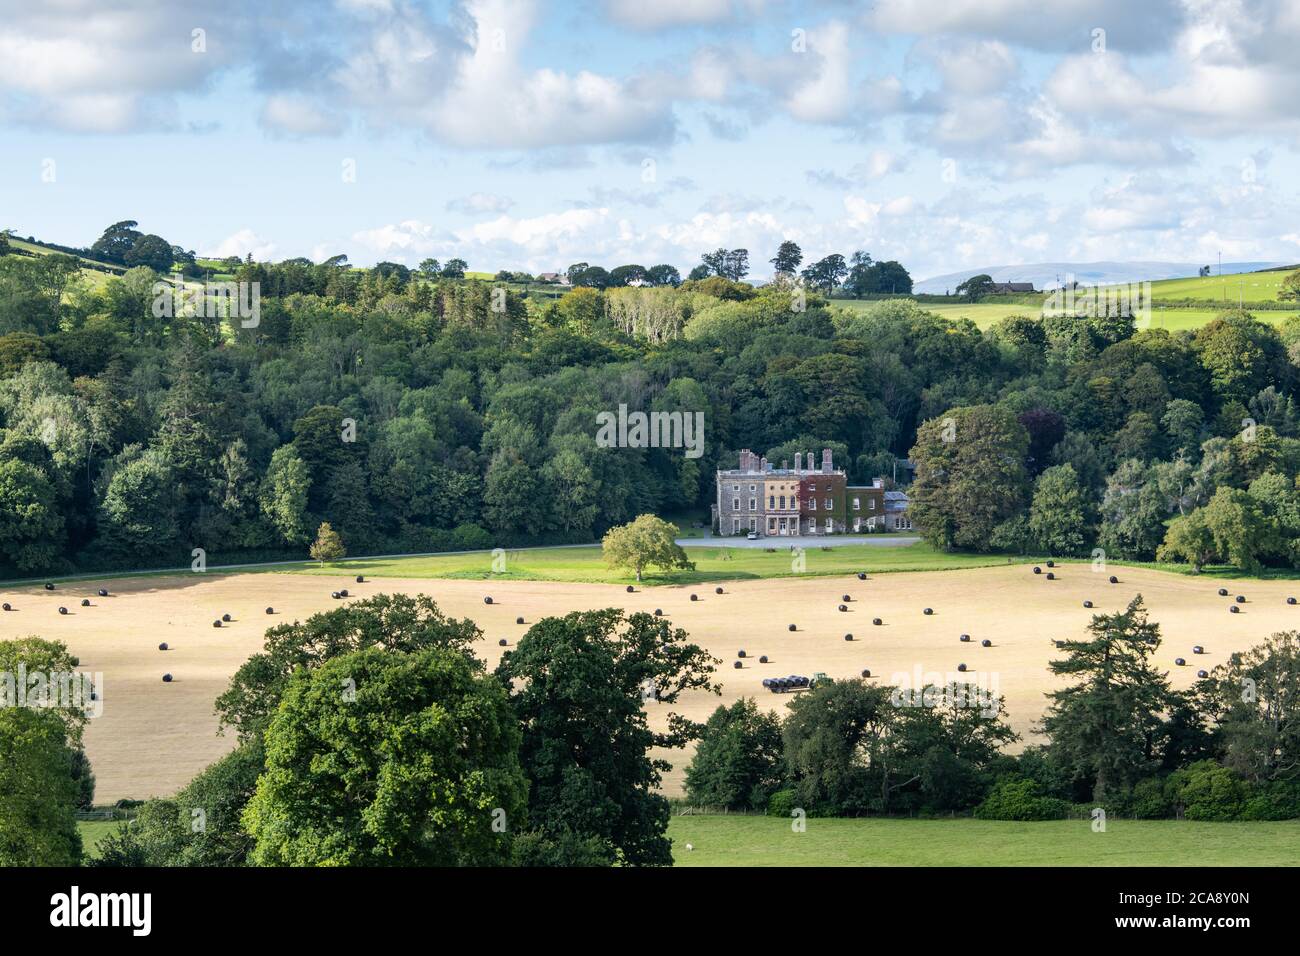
812, 504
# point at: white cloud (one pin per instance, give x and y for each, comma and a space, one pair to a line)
479, 203
241, 244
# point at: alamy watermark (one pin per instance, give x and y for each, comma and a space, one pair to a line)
209, 300
65, 690
651, 430
1103, 301
965, 690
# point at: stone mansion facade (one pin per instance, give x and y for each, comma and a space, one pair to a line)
806, 499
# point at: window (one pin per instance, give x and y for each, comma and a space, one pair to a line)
753, 524
735, 504
735, 487
771, 502
783, 502
753, 488
753, 504
871, 504
829, 506
812, 505
855, 505
830, 525
735, 525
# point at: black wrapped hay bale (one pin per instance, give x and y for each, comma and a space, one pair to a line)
763, 659
1087, 604
866, 672
986, 643
738, 665
1290, 600
49, 587
1051, 564
717, 590
1051, 576
1179, 661
487, 600
740, 653
846, 598
928, 610
1037, 569
1202, 674
167, 678
848, 637
226, 618
695, 597
162, 646
361, 579
1241, 599
216, 623
344, 592
63, 610
1197, 649
334, 595
877, 621
630, 589
962, 668
270, 610
1114, 580
964, 638
659, 612
1223, 592
793, 628
844, 607
85, 602
519, 620
103, 592
7, 607
502, 643
1233, 609
862, 575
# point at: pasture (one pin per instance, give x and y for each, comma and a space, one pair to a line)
1245, 287
730, 840
153, 737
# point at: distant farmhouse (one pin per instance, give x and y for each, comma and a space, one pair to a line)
555, 278
1003, 287
805, 499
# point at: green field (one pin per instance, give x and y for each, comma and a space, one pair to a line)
711, 564
92, 831
1245, 287
768, 841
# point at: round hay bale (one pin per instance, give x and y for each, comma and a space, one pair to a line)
216, 623
630, 589
846, 598
1202, 674
7, 607
848, 637
659, 612
1197, 649
487, 600
85, 602
226, 618
928, 610
270, 610
738, 665
167, 678
1223, 592
767, 682
344, 593
877, 621
1233, 609
1051, 576
1114, 580
986, 643
1240, 599
695, 597
1290, 600
1051, 564
866, 672
63, 610
763, 659
162, 646
717, 590
361, 579
740, 653
49, 587
962, 668
519, 620
502, 643
103, 592
862, 575
1037, 569
844, 607
1087, 604
964, 638
334, 595
792, 628
1178, 661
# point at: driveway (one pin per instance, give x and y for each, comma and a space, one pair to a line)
800, 541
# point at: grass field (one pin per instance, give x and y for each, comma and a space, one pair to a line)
92, 831
1245, 287
767, 841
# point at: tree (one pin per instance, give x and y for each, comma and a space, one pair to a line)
116, 241
826, 273
1103, 728
152, 251
787, 258
975, 286
1254, 702
139, 514
379, 758
430, 268
328, 546
580, 686
646, 542
31, 524
738, 759
1289, 289
1188, 539
970, 475
38, 793
283, 495
663, 274
1059, 517
1133, 513
454, 269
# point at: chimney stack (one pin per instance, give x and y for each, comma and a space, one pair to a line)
826, 461
762, 464
798, 461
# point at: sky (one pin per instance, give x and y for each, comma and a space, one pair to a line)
529, 135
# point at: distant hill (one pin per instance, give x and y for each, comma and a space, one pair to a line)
1047, 275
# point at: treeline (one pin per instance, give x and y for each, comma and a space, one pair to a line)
1119, 739
1123, 443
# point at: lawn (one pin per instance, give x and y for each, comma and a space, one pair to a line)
720, 840
584, 564
92, 831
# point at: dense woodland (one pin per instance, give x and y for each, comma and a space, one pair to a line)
415, 410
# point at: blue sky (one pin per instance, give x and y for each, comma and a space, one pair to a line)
523, 134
